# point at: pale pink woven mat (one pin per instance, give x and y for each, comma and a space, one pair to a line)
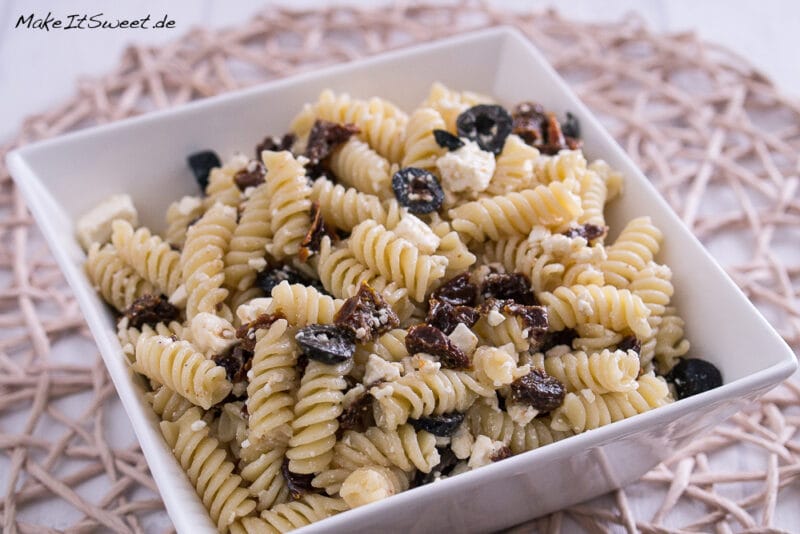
716, 137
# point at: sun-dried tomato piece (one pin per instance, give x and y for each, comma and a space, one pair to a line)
151, 310
236, 362
313, 239
554, 339
431, 340
247, 332
298, 484
458, 291
588, 231
358, 416
630, 343
508, 286
326, 343
534, 318
501, 454
539, 390
274, 143
529, 119
325, 136
366, 314
446, 317
251, 176
443, 425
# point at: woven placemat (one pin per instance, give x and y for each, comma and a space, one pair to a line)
700, 122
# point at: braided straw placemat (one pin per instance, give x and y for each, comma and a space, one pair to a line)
716, 137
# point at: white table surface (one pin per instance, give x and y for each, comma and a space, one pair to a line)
39, 69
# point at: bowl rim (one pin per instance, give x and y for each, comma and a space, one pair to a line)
29, 184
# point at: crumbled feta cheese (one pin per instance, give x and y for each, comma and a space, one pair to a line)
302, 160
212, 333
198, 425
521, 414
585, 304
188, 205
425, 363
248, 191
378, 369
416, 231
257, 264
483, 450
251, 309
95, 225
463, 338
246, 444
467, 169
495, 318
461, 442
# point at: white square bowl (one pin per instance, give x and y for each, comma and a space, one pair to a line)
146, 157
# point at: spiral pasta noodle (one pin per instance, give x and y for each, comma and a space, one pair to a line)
289, 202
381, 123
670, 341
485, 419
183, 369
396, 259
632, 251
595, 337
612, 178
516, 213
249, 238
370, 484
346, 207
149, 255
264, 479
167, 404
303, 305
512, 330
356, 165
319, 404
593, 192
272, 386
202, 260
292, 515
209, 470
514, 170
116, 281
452, 247
602, 372
180, 216
421, 148
221, 186
586, 410
618, 309
566, 165
450, 103
421, 393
